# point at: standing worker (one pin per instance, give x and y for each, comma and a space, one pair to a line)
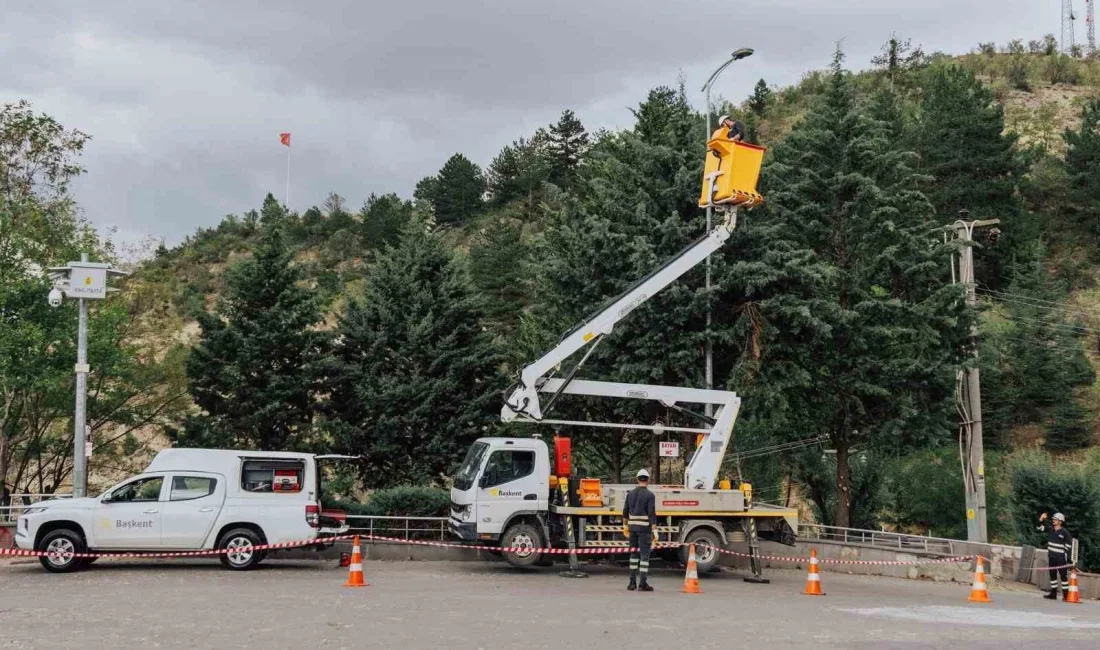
640, 527
1059, 545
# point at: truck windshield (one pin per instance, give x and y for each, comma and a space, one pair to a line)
465, 477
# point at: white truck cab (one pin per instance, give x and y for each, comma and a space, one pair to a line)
187, 500
501, 481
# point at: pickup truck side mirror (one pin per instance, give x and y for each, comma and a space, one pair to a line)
483, 481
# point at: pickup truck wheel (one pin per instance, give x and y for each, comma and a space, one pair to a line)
707, 542
238, 556
521, 537
60, 546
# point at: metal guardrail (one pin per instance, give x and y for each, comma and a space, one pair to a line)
15, 505
882, 539
422, 528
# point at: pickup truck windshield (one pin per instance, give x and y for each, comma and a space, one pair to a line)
465, 477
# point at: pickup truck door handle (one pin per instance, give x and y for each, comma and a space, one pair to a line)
150, 512
530, 497
206, 510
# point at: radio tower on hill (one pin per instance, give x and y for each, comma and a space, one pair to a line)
1090, 25
1067, 26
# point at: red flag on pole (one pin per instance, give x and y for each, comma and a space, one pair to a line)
285, 139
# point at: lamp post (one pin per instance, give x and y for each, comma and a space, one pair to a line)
84, 281
737, 55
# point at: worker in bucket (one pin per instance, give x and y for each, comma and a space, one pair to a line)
1059, 545
729, 128
640, 527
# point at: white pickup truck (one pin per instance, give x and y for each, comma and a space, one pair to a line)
188, 500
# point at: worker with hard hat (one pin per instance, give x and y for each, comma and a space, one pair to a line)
730, 129
640, 527
1059, 545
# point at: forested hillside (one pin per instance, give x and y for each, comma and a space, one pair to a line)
391, 328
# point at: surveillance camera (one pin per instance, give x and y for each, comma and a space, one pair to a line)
55, 297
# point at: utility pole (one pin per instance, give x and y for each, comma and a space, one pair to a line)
84, 281
969, 394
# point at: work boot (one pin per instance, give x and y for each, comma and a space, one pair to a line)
645, 587
1065, 595
1052, 595
632, 586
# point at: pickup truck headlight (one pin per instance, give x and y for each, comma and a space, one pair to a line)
34, 511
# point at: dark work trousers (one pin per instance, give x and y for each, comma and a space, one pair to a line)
1058, 577
642, 540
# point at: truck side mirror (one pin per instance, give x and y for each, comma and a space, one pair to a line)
483, 481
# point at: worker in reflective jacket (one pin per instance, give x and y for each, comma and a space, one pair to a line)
640, 527
1059, 545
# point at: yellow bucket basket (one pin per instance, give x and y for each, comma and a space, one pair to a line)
735, 171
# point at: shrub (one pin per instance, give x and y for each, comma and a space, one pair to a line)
408, 501
1018, 74
1061, 69
1042, 485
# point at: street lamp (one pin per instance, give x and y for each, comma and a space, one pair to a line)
84, 281
737, 55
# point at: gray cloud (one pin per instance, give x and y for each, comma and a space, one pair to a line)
185, 100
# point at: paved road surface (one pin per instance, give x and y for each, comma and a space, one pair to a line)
459, 606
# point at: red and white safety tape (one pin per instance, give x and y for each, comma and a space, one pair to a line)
16, 552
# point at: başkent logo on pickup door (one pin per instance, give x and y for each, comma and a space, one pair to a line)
133, 523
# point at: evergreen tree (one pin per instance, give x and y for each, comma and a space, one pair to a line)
972, 161
1082, 165
383, 218
424, 195
1069, 428
518, 172
860, 342
660, 119
568, 142
415, 378
255, 370
498, 261
272, 213
760, 99
898, 57
458, 192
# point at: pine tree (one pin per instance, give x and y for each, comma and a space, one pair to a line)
760, 99
458, 192
568, 142
660, 119
383, 218
972, 161
1082, 165
860, 341
498, 261
1069, 428
256, 368
518, 172
415, 377
272, 213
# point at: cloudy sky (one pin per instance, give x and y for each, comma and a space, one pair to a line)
185, 100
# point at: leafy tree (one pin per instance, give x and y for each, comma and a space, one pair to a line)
972, 161
899, 57
1050, 45
836, 343
457, 194
256, 369
1082, 165
568, 142
760, 99
383, 218
415, 377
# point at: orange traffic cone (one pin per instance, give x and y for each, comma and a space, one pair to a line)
813, 578
355, 573
1072, 594
691, 577
978, 593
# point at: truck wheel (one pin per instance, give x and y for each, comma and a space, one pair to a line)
707, 542
521, 537
60, 545
238, 556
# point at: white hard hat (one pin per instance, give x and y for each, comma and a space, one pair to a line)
723, 118
643, 473
1059, 516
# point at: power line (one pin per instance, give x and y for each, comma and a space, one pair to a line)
1066, 328
1037, 303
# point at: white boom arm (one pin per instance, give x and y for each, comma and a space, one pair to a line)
523, 405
